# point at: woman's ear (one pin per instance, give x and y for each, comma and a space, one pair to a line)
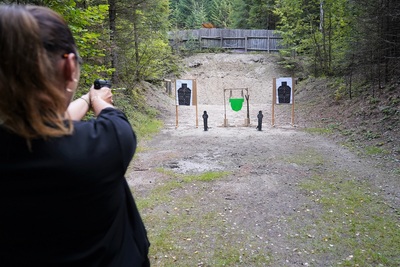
70, 68
71, 73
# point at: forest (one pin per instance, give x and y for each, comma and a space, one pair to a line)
354, 42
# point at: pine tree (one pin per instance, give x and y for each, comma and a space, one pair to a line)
261, 14
240, 14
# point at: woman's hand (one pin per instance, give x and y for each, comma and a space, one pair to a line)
100, 99
103, 93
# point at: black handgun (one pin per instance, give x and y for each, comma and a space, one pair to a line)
98, 83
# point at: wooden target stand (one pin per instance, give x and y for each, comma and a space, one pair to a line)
246, 96
282, 99
193, 98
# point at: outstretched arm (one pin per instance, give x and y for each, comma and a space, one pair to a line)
95, 99
78, 108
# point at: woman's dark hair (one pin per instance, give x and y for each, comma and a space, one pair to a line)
33, 39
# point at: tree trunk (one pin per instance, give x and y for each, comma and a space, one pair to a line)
112, 13
136, 44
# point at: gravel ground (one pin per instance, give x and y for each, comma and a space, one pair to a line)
263, 207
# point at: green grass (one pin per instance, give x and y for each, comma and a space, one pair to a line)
145, 126
185, 233
309, 157
353, 221
348, 218
374, 150
319, 130
142, 118
160, 194
204, 177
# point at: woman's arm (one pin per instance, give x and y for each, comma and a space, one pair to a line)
97, 99
78, 108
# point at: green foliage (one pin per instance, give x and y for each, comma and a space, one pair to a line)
152, 66
373, 100
288, 63
389, 110
142, 38
369, 135
198, 15
189, 14
292, 26
319, 30
176, 15
150, 58
343, 38
339, 88
92, 40
240, 14
190, 47
376, 40
220, 13
244, 14
261, 14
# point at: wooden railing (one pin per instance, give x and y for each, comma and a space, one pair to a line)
236, 39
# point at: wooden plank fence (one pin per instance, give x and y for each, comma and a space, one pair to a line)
236, 39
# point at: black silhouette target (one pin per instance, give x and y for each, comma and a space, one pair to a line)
184, 92
284, 92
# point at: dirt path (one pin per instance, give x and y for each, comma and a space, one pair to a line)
261, 209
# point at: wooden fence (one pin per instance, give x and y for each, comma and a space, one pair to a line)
236, 39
